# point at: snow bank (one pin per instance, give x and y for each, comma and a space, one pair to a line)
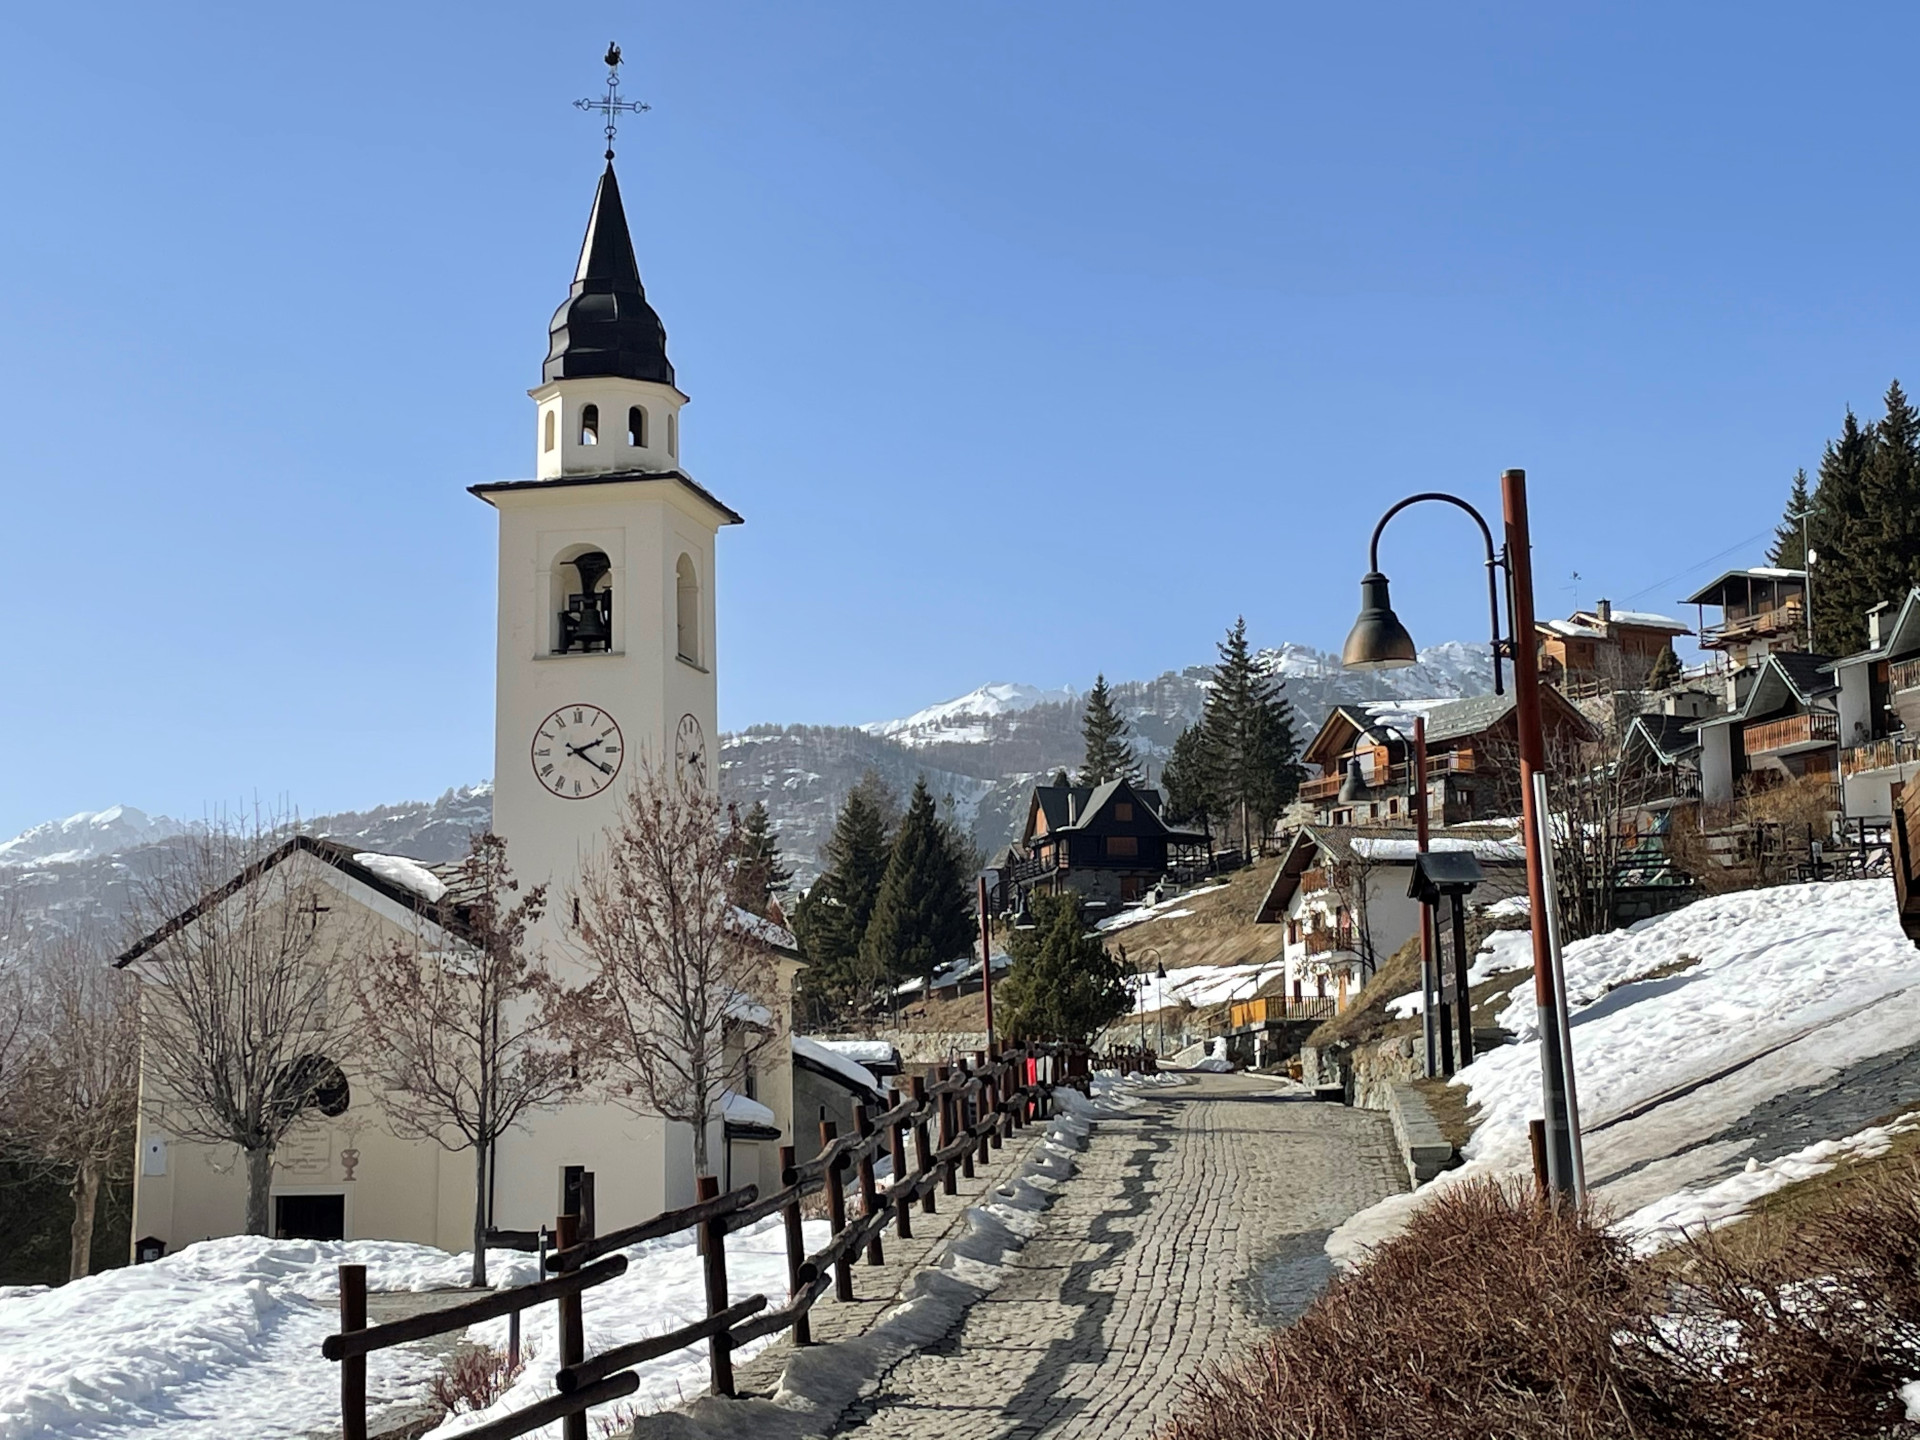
820, 1382
738, 1109
222, 1339
662, 1289
1204, 985
1172, 908
1503, 952
1681, 1026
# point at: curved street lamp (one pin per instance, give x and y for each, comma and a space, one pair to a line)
1378, 641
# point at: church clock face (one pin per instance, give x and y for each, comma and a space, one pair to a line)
577, 751
690, 752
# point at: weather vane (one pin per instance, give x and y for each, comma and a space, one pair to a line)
610, 104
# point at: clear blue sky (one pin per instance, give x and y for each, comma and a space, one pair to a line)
1032, 339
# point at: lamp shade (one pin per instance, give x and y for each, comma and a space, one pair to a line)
1353, 785
1378, 641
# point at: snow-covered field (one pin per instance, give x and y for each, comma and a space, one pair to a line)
1682, 1025
222, 1340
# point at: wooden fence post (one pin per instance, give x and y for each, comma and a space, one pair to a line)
997, 1091
949, 1183
922, 1148
902, 1207
796, 1242
353, 1369
966, 1112
720, 1347
837, 1212
869, 1191
573, 1330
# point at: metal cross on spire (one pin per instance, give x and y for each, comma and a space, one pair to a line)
611, 105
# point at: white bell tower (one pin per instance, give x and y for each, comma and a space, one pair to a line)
606, 628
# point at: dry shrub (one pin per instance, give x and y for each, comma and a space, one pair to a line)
475, 1376
1498, 1317
1492, 1315
1810, 1340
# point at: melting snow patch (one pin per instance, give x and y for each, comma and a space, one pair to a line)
407, 874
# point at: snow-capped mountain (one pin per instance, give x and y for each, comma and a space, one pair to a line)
962, 719
88, 835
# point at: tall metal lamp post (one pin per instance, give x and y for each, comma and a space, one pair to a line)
1378, 641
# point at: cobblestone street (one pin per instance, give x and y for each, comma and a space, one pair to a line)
1195, 1223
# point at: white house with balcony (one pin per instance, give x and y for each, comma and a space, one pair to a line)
1878, 710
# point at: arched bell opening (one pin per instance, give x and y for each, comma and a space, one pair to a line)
589, 424
584, 584
687, 610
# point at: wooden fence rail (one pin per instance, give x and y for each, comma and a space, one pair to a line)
952, 1116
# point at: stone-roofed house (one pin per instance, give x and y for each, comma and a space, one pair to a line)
1109, 843
1364, 753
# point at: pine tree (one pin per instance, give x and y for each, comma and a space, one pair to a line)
841, 902
1063, 985
1247, 739
923, 915
1838, 530
1665, 673
1109, 754
1185, 792
1888, 548
1788, 550
757, 848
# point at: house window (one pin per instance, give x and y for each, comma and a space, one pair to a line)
1123, 810
547, 442
687, 610
1293, 932
1393, 807
589, 424
636, 426
1123, 846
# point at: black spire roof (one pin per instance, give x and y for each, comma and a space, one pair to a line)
606, 326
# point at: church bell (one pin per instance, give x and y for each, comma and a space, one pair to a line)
587, 622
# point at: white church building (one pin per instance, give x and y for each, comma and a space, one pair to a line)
606, 633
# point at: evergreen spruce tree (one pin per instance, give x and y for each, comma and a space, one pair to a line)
757, 846
1109, 753
1665, 673
922, 915
1247, 740
1788, 550
1838, 535
1185, 793
1888, 545
1063, 985
840, 904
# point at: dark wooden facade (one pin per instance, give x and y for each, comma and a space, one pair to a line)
1108, 843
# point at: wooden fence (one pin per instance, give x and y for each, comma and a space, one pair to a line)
952, 1118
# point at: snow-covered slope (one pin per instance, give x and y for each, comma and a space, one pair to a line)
961, 719
88, 835
1736, 1032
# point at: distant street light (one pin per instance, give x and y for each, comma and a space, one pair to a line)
1378, 641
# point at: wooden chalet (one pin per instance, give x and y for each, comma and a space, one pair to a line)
1596, 651
1762, 609
1106, 843
1471, 759
1783, 725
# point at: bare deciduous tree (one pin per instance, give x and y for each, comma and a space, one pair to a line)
683, 976
1350, 878
248, 1016
70, 1113
462, 1034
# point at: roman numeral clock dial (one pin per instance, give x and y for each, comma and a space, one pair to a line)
577, 751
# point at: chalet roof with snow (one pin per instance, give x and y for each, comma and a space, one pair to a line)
1716, 591
1316, 846
1382, 723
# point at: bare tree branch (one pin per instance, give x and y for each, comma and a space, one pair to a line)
247, 1021
462, 1036
684, 979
